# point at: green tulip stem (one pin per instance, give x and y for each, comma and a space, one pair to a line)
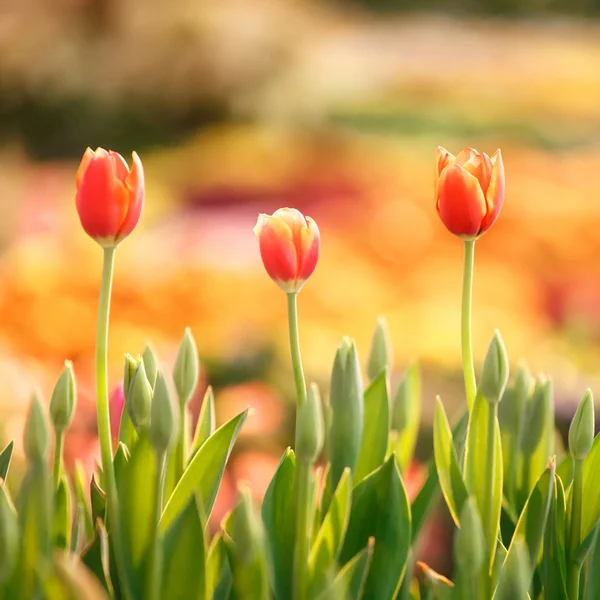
104, 417
58, 458
295, 349
181, 446
302, 485
575, 532
466, 323
155, 565
490, 468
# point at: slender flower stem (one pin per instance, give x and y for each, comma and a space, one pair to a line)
490, 468
303, 475
466, 318
104, 416
58, 457
575, 533
181, 447
303, 527
295, 349
155, 566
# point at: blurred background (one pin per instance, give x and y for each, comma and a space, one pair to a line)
334, 107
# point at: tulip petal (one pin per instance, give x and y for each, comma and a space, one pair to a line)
460, 201
102, 201
495, 192
87, 156
134, 183
309, 253
277, 250
121, 169
442, 158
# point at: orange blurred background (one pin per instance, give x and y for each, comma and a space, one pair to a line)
243, 106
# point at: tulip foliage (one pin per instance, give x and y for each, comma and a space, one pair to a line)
336, 522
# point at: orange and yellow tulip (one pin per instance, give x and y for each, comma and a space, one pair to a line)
289, 247
469, 190
109, 196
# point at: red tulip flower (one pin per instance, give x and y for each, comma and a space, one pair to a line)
109, 196
469, 189
289, 247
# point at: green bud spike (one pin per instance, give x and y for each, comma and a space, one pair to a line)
536, 414
64, 398
131, 364
9, 535
139, 398
469, 543
185, 372
151, 364
347, 409
494, 375
310, 427
36, 432
380, 355
246, 528
581, 431
164, 419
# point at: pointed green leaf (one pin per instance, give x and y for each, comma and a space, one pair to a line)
380, 509
406, 414
476, 468
515, 575
376, 426
349, 583
277, 515
205, 426
532, 522
96, 558
63, 516
330, 537
185, 556
553, 559
590, 509
83, 511
120, 464
218, 571
137, 504
204, 472
9, 536
5, 457
446, 461
98, 500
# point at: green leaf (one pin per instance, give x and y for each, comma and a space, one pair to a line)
329, 540
554, 570
476, 470
127, 433
83, 511
96, 558
218, 571
515, 575
185, 555
71, 580
205, 426
532, 522
62, 518
5, 457
380, 355
590, 509
9, 536
137, 487
349, 583
592, 580
277, 515
120, 464
428, 493
406, 414
376, 426
98, 500
446, 461
204, 472
380, 509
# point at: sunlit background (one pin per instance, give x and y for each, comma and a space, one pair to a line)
242, 106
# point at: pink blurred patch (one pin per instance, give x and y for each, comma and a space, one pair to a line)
116, 405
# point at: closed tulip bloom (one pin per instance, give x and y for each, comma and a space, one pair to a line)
469, 189
109, 196
289, 247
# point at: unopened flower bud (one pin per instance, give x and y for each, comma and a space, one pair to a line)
131, 364
381, 349
62, 403
581, 431
494, 375
185, 372
164, 420
150, 364
36, 432
309, 427
139, 398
